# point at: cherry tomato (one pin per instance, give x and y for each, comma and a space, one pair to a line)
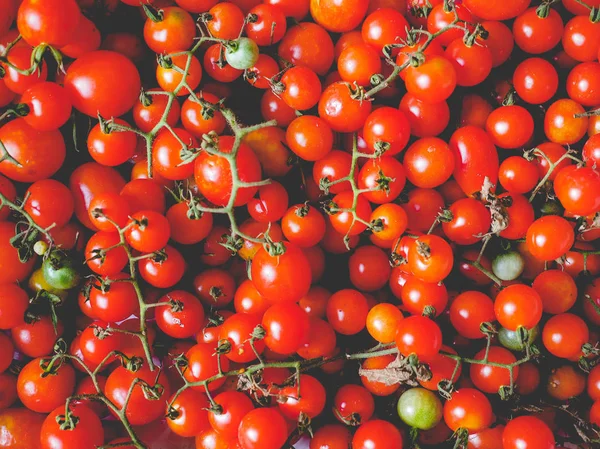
560, 124
287, 327
174, 31
576, 189
377, 434
262, 428
22, 143
527, 432
419, 335
564, 334
541, 241
426, 119
468, 409
149, 232
518, 306
88, 433
307, 44
103, 82
189, 415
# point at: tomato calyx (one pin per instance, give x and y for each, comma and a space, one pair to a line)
461, 436
68, 421
156, 15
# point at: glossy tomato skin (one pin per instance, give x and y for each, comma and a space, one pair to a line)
20, 57
339, 17
140, 410
518, 305
174, 32
202, 364
13, 304
377, 434
21, 428
577, 189
49, 202
475, 158
11, 268
103, 82
89, 180
43, 393
38, 21
468, 311
88, 433
535, 80
341, 112
213, 174
286, 277
541, 241
262, 428
48, 108
564, 334
469, 409
527, 432
308, 44
22, 142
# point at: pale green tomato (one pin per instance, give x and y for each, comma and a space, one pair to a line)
242, 53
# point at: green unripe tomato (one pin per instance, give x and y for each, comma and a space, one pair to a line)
508, 266
60, 271
242, 53
420, 408
510, 339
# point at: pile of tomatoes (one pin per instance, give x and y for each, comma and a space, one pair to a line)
324, 224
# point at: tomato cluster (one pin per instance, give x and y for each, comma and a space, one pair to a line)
354, 268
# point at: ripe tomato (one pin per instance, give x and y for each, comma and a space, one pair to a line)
47, 108
85, 39
174, 31
287, 327
535, 80
442, 367
557, 290
469, 310
321, 340
181, 316
213, 174
510, 126
20, 57
309, 399
22, 143
140, 409
475, 158
107, 210
416, 295
468, 409
565, 383
173, 76
149, 232
382, 322
89, 180
384, 177
167, 151
189, 416
262, 428
433, 81
238, 330
580, 39
341, 217
518, 305
144, 194
527, 432
576, 188
341, 111
358, 63
369, 268
115, 301
428, 162
36, 339
13, 304
88, 432
496, 9
422, 208
564, 334
441, 16
541, 241
284, 277
103, 82
386, 131
518, 175
307, 44
225, 21
430, 258
470, 221
267, 25
472, 63
39, 21
49, 203
583, 82
331, 436
419, 335
102, 260
111, 148
303, 225
215, 288
147, 115
11, 268
560, 124
163, 270
536, 34
490, 378
43, 392
200, 119
347, 311
215, 65
377, 434
426, 119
